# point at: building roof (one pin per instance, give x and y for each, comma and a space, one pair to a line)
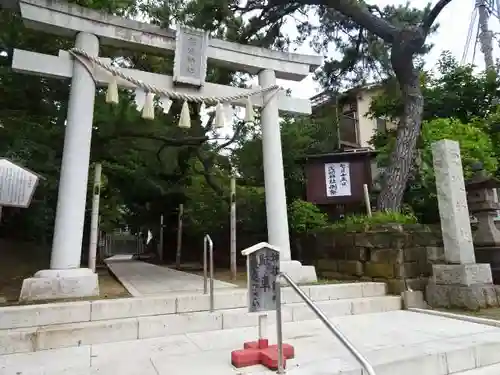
325, 97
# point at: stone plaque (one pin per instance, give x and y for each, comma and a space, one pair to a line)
190, 62
263, 268
17, 184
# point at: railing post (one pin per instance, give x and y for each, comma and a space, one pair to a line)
211, 248
337, 333
205, 271
208, 246
279, 328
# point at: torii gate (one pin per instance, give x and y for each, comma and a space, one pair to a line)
65, 277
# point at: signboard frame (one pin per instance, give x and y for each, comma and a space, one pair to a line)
35, 185
263, 268
181, 46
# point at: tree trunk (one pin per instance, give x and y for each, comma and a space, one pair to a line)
402, 157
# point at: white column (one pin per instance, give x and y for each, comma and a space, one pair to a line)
70, 214
276, 210
94, 220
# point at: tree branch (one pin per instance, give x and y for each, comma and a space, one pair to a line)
186, 141
360, 14
236, 134
207, 166
433, 14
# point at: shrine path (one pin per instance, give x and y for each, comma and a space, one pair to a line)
142, 279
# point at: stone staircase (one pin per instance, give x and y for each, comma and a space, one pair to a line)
177, 335
61, 325
489, 370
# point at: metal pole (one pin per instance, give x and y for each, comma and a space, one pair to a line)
160, 250
179, 236
233, 228
485, 36
279, 329
205, 271
94, 219
211, 249
262, 326
344, 340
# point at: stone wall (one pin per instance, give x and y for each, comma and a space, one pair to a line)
392, 254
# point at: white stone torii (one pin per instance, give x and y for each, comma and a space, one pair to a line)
66, 278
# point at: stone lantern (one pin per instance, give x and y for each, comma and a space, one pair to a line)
481, 201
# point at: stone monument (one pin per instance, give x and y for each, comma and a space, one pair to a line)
461, 282
482, 204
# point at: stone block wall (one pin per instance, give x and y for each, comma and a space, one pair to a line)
398, 255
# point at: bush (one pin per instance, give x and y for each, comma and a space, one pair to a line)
356, 222
305, 216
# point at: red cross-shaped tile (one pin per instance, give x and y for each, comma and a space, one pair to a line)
259, 352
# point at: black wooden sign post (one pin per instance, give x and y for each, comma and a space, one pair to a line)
263, 267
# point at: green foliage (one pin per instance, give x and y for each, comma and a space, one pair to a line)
304, 216
459, 105
357, 222
454, 91
147, 165
206, 212
475, 146
363, 56
300, 137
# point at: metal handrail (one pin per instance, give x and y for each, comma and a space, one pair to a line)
208, 246
344, 340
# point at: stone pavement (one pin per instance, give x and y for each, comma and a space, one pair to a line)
394, 342
142, 279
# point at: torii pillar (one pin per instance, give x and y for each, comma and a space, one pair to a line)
65, 278
274, 180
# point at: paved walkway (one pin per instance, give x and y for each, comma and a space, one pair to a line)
141, 278
398, 342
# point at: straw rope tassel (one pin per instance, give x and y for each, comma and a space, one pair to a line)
220, 116
112, 92
249, 111
148, 112
185, 117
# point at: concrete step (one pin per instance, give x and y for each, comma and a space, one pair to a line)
33, 339
489, 370
397, 342
86, 311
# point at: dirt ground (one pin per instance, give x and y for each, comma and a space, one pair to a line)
19, 261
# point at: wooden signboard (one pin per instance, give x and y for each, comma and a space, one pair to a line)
17, 184
338, 178
263, 267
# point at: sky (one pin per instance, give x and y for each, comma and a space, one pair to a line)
454, 23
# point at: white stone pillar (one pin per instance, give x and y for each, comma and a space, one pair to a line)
274, 179
71, 202
65, 278
276, 210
